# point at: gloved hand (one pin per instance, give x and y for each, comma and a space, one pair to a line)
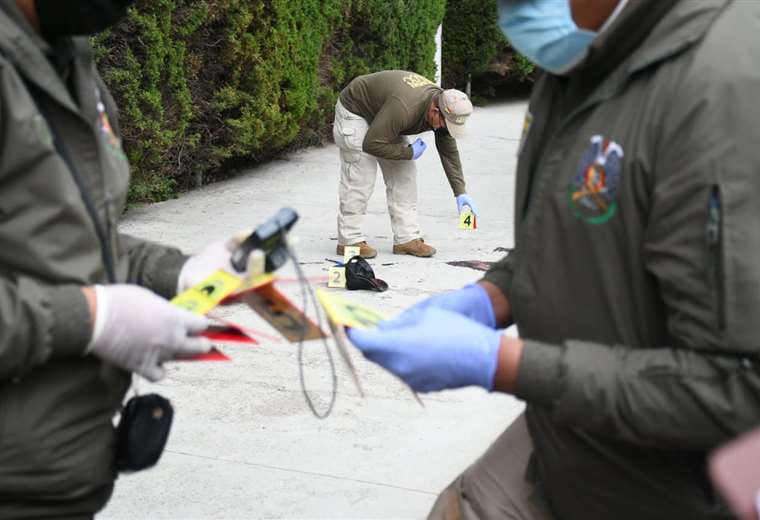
137, 330
471, 301
418, 148
465, 200
433, 349
210, 259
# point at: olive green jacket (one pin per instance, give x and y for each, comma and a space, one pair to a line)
395, 103
635, 278
56, 405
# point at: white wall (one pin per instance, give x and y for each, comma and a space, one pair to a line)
438, 43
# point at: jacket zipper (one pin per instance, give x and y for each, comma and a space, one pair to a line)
104, 184
714, 235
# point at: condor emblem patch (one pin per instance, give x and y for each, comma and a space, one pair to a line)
594, 188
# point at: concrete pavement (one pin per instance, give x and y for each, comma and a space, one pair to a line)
244, 444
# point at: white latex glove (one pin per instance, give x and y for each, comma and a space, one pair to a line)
210, 259
138, 330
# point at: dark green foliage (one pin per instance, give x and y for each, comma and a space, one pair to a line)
523, 67
387, 34
473, 44
204, 85
470, 39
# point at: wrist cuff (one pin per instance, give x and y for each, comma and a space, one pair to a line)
164, 279
539, 373
71, 329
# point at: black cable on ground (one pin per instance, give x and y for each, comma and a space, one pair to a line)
307, 294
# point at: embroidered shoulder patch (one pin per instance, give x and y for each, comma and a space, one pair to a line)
593, 189
113, 143
416, 81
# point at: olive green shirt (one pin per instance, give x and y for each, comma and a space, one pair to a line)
395, 103
634, 278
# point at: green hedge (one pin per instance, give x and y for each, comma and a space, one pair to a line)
474, 46
470, 39
205, 86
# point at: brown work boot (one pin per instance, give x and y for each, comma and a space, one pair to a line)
365, 250
416, 247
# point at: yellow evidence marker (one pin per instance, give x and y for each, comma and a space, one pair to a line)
468, 220
336, 277
206, 295
343, 311
349, 252
254, 282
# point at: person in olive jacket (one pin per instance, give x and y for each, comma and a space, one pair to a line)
634, 281
82, 306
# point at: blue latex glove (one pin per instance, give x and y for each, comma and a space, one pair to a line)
471, 301
433, 349
418, 148
465, 200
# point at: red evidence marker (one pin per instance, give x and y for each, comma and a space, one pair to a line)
212, 355
228, 332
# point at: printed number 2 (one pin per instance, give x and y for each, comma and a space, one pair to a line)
336, 277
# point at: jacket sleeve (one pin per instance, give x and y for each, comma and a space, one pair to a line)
500, 274
152, 265
452, 166
383, 138
39, 323
702, 245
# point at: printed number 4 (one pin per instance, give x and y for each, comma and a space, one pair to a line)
467, 220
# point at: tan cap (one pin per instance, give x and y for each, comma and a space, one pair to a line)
456, 109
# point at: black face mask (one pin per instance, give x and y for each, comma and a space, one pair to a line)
61, 18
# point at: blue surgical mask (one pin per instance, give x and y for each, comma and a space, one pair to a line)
544, 32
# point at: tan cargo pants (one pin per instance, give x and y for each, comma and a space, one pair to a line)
497, 485
357, 181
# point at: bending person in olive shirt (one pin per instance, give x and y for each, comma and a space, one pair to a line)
373, 115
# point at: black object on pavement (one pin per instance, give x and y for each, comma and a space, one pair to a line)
359, 275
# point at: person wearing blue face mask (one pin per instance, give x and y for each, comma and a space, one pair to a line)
634, 277
546, 32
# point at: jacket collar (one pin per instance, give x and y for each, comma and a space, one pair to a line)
649, 31
684, 26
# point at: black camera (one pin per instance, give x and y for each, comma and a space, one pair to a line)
270, 238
